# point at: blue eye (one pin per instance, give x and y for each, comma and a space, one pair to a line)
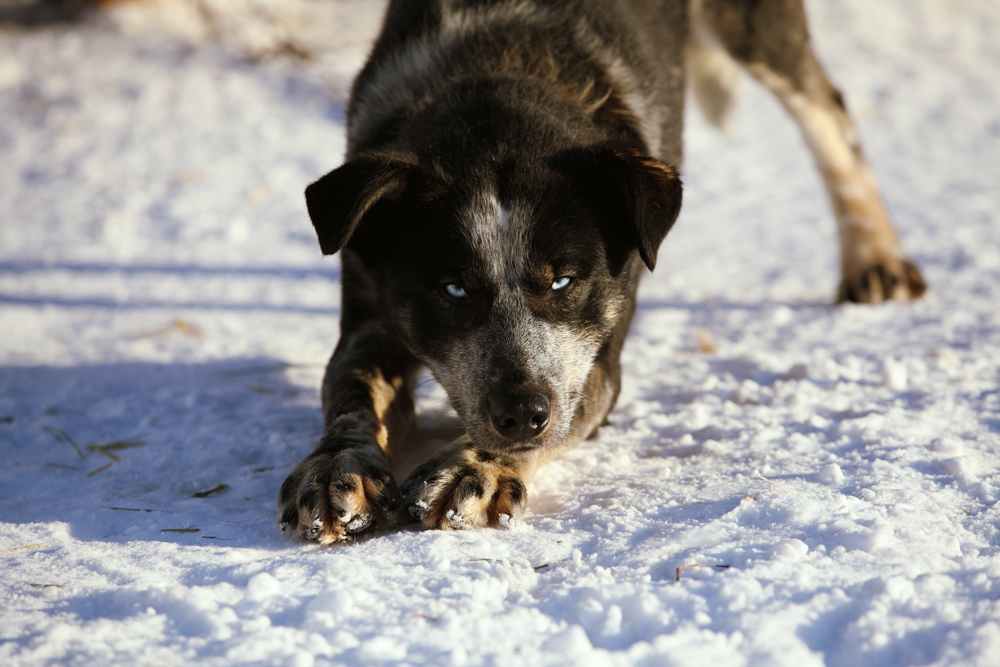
561, 283
455, 291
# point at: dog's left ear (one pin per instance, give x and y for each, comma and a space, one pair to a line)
648, 190
338, 202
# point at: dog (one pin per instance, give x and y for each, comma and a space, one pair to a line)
512, 167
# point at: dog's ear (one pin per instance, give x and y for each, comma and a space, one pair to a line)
648, 190
338, 201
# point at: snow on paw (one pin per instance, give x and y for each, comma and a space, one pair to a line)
464, 487
891, 279
330, 497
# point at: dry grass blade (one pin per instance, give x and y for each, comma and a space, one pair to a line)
127, 443
681, 567
47, 585
705, 343
545, 565
213, 537
102, 450
494, 560
134, 509
189, 529
219, 488
59, 433
965, 510
101, 469
782, 486
30, 546
179, 326
423, 615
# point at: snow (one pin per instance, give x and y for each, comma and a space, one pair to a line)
160, 287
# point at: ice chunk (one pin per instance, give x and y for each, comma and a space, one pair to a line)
747, 393
954, 466
11, 73
798, 372
954, 547
381, 649
789, 550
894, 374
831, 474
262, 586
946, 445
571, 641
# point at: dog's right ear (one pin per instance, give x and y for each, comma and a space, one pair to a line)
338, 202
648, 190
644, 192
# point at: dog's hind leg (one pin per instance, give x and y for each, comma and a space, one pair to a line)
770, 39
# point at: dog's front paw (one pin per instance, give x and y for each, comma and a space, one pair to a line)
892, 279
463, 487
331, 496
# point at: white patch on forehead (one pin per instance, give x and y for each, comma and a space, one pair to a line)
504, 220
496, 234
483, 234
511, 268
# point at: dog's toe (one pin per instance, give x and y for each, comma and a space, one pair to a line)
330, 497
462, 489
893, 279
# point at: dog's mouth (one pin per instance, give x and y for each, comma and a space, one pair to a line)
497, 445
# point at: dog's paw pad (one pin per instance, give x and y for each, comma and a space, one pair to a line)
329, 498
895, 279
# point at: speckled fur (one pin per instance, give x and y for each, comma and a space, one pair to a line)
503, 146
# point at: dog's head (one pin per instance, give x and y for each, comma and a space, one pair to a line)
506, 277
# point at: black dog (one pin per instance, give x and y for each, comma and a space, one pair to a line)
511, 167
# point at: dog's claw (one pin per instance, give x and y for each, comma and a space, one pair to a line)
896, 279
457, 489
330, 498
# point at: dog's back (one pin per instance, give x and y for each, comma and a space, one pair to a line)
621, 62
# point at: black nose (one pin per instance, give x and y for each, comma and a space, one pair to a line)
519, 415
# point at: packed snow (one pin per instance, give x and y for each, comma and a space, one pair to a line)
829, 473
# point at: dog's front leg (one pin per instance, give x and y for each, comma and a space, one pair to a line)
345, 486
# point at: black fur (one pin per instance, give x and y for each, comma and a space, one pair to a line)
512, 165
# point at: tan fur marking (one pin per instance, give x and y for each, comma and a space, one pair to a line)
383, 394
866, 235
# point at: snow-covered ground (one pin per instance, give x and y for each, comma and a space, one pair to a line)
161, 290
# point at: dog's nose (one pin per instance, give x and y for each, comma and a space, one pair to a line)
519, 415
